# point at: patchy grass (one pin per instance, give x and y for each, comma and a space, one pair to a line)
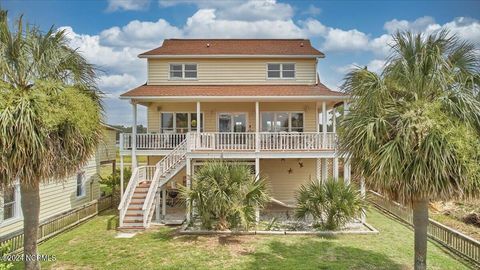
93, 246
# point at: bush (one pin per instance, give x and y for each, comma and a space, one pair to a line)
331, 204
113, 183
226, 195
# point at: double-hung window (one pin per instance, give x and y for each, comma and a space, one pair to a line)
183, 71
281, 71
10, 203
80, 184
282, 121
179, 122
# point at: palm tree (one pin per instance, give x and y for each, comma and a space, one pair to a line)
331, 204
413, 130
50, 114
226, 195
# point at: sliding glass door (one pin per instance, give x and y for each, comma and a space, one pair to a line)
232, 122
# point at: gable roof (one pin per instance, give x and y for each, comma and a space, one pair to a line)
234, 47
317, 90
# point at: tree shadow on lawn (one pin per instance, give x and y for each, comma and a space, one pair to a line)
311, 254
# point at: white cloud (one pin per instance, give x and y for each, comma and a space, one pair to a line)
375, 65
418, 25
139, 34
204, 23
341, 40
312, 10
245, 10
114, 85
465, 28
114, 5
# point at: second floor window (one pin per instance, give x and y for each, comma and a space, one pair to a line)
183, 71
281, 71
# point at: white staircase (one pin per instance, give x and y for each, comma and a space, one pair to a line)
137, 204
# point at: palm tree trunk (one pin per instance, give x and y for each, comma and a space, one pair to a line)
420, 223
30, 201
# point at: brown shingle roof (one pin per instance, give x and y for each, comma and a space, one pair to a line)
230, 90
235, 47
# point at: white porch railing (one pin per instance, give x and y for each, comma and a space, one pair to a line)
162, 169
152, 141
268, 141
141, 173
244, 141
237, 141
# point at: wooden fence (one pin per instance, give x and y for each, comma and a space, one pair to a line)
461, 244
58, 224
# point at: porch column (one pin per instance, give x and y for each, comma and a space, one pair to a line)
324, 140
189, 185
362, 193
198, 124
318, 163
164, 202
121, 177
335, 159
134, 135
346, 161
346, 170
324, 170
157, 207
324, 123
257, 176
257, 128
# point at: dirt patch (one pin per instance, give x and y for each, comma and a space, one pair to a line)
67, 266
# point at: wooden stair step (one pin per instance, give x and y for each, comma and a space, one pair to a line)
133, 221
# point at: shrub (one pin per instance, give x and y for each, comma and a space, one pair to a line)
113, 183
226, 195
331, 204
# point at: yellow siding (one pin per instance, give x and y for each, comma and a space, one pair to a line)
282, 184
57, 198
231, 71
211, 110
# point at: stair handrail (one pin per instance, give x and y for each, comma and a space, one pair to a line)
161, 167
128, 194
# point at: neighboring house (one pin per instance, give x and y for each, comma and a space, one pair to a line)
58, 198
256, 101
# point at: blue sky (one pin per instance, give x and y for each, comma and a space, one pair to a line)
112, 33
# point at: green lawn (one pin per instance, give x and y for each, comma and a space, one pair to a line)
93, 246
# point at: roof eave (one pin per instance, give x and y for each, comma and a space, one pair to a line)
160, 56
223, 98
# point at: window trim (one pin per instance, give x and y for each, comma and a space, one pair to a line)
281, 71
183, 78
289, 120
17, 211
83, 185
175, 121
231, 113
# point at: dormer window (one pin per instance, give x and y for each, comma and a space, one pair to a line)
281, 71
183, 71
